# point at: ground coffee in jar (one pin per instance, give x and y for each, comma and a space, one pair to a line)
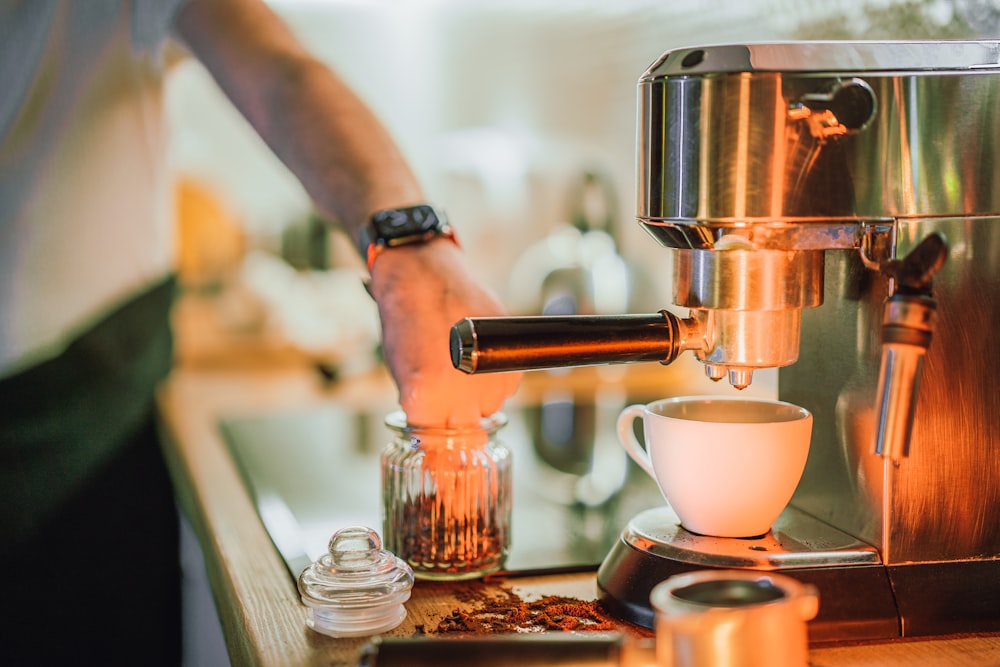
446, 498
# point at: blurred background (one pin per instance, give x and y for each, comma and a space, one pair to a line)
518, 116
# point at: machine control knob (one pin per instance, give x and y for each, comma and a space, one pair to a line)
847, 107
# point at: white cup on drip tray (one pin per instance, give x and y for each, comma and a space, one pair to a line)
726, 465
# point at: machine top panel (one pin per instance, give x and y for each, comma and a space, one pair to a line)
827, 57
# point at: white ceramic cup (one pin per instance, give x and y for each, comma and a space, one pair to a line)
726, 465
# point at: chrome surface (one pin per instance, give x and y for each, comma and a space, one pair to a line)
726, 150
942, 502
907, 328
748, 303
909, 320
867, 56
749, 279
795, 541
799, 146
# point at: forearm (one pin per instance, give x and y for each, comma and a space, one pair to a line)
351, 168
326, 135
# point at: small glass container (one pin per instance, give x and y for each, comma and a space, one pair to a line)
357, 588
446, 498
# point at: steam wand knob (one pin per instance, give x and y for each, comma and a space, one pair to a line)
907, 326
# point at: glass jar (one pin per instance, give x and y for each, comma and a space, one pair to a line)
446, 498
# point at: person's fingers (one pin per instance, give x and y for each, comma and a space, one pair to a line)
456, 400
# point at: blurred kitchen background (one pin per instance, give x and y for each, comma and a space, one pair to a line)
519, 119
518, 116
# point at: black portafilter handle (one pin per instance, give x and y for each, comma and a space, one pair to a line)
497, 344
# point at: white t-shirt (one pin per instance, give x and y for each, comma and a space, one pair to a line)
86, 218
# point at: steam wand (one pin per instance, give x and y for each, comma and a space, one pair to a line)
907, 324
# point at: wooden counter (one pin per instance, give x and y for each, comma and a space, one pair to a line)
261, 614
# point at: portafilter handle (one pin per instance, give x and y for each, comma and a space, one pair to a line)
496, 344
907, 326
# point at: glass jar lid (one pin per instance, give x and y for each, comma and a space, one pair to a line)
357, 587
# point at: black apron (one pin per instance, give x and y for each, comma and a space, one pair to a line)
88, 526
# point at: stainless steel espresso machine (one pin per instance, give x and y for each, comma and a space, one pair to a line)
831, 209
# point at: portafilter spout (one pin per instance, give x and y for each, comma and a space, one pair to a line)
496, 344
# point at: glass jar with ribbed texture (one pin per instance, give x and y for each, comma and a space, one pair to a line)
446, 498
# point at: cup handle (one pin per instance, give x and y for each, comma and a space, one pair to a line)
626, 436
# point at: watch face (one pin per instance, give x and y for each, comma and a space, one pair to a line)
405, 225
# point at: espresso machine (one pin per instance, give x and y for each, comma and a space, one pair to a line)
831, 209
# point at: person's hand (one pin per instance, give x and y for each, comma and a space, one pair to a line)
421, 291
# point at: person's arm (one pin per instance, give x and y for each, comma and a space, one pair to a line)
310, 118
351, 168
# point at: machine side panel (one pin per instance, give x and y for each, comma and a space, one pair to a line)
942, 502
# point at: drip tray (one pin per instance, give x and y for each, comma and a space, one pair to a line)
311, 473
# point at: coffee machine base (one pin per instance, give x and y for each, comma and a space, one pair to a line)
860, 598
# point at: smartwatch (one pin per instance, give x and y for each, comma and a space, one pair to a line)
394, 227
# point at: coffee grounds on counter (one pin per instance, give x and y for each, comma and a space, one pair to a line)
499, 610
